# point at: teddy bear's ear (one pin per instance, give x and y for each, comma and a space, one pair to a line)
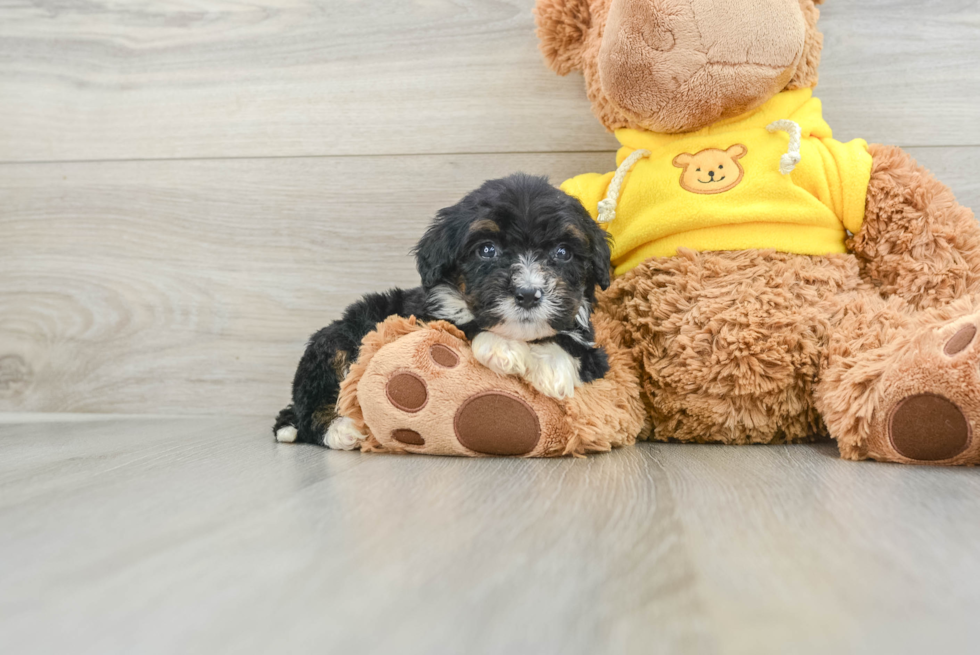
737, 151
682, 161
562, 26
806, 73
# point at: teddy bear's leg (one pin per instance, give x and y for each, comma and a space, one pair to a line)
916, 241
427, 394
728, 344
424, 392
903, 386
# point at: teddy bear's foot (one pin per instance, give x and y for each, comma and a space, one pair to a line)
426, 393
931, 404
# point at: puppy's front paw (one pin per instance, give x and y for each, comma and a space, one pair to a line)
342, 435
553, 371
501, 355
594, 365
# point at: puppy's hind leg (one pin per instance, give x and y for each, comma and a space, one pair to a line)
325, 364
285, 426
315, 389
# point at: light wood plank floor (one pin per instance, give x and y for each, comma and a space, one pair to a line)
202, 535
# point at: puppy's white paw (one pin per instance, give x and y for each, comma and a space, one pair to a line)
286, 434
553, 371
501, 355
342, 435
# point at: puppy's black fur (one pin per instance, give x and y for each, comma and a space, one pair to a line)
517, 257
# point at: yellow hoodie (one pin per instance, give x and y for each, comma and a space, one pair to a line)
721, 188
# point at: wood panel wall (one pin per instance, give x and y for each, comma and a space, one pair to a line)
189, 189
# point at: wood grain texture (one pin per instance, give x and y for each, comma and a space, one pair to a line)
190, 287
169, 79
204, 536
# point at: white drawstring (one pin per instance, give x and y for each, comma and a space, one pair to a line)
792, 157
607, 207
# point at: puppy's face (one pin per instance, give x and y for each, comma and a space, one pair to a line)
524, 256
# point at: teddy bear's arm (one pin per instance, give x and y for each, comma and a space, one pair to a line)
846, 169
589, 188
916, 241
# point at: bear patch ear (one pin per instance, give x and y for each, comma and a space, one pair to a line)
807, 73
737, 151
682, 161
562, 26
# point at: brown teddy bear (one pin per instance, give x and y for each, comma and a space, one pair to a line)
772, 284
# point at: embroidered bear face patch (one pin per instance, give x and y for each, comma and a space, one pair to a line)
711, 170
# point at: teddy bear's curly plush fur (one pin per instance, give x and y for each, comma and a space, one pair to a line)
877, 347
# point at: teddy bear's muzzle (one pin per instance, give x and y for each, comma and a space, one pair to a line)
679, 65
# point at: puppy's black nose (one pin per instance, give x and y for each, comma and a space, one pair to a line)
711, 173
528, 297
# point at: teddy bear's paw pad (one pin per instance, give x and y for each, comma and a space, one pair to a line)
928, 427
408, 437
407, 391
961, 340
444, 356
495, 423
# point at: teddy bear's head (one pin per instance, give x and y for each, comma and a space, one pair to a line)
679, 65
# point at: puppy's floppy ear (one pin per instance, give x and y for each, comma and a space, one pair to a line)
562, 27
437, 250
599, 252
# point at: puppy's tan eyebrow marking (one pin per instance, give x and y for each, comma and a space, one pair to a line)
575, 233
485, 225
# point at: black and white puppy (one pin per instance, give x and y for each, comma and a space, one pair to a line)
515, 265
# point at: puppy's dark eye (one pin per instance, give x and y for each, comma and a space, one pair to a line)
561, 253
486, 250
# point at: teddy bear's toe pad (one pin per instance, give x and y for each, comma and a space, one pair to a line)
961, 340
407, 392
495, 423
444, 356
928, 428
408, 437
